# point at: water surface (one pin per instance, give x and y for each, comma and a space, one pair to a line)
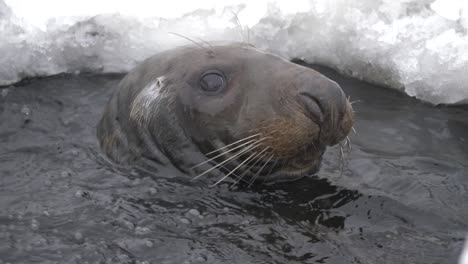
399, 197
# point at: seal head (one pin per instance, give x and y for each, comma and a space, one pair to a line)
228, 110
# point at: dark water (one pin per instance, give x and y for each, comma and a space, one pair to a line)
401, 197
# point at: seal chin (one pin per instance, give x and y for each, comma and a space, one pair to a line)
292, 174
270, 171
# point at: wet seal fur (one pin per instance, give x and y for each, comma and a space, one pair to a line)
229, 110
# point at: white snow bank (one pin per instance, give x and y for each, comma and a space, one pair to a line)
419, 46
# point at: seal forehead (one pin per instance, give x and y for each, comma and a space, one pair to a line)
194, 56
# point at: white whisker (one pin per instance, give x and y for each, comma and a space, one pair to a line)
255, 163
261, 169
231, 172
227, 146
348, 143
253, 141
243, 151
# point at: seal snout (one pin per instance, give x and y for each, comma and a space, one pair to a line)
324, 102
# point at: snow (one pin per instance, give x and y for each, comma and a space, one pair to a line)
464, 255
417, 46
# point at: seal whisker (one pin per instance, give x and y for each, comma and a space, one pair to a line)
234, 143
260, 170
210, 50
239, 24
206, 42
342, 159
241, 176
269, 172
271, 132
231, 172
354, 130
341, 153
352, 102
243, 151
348, 143
230, 150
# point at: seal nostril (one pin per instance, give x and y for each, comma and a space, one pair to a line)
312, 106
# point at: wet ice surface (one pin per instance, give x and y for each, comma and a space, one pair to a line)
401, 198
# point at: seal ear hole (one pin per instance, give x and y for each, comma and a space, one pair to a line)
212, 81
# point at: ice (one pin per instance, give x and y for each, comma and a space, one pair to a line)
464, 255
417, 46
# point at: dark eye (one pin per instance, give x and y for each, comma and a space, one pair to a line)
212, 81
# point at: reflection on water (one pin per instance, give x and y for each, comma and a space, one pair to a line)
399, 198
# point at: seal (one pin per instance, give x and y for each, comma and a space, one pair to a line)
225, 109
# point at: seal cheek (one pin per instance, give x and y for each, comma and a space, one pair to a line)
139, 109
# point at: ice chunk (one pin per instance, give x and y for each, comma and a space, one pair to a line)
464, 254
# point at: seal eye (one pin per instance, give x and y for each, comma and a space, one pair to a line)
212, 81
